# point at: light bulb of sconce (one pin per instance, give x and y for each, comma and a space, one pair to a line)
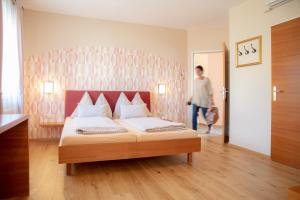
48, 87
161, 88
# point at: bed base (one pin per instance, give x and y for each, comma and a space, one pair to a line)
116, 151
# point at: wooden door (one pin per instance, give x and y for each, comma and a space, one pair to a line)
285, 145
226, 94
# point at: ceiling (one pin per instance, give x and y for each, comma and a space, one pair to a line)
182, 14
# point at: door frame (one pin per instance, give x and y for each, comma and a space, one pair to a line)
202, 52
225, 127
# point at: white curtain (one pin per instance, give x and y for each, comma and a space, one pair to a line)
12, 64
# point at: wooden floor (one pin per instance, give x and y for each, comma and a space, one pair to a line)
218, 172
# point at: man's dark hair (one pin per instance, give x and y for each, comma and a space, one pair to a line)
199, 67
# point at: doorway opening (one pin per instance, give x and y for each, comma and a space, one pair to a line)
213, 64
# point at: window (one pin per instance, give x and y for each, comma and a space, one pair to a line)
11, 73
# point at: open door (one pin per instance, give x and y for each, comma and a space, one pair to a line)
215, 64
225, 93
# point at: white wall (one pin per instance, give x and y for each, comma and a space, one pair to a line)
250, 87
45, 31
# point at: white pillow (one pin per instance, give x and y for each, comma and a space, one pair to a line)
85, 100
131, 111
122, 100
102, 101
138, 100
92, 110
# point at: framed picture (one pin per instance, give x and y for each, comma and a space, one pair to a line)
249, 52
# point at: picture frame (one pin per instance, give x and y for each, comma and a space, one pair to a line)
249, 52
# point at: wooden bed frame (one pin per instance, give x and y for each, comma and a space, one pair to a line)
116, 151
71, 154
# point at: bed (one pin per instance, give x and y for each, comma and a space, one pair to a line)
74, 148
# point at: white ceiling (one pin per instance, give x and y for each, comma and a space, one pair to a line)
181, 14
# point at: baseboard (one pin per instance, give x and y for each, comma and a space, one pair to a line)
249, 151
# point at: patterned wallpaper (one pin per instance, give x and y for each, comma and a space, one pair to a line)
99, 68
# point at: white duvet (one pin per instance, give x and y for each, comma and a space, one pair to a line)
97, 125
153, 124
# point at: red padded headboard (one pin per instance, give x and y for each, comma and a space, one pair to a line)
73, 97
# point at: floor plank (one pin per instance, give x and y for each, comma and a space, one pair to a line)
218, 172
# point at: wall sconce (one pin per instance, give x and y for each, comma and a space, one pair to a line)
161, 88
48, 87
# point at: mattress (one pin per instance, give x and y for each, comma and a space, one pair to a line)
155, 136
70, 137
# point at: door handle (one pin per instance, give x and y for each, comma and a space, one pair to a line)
279, 91
223, 92
275, 91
